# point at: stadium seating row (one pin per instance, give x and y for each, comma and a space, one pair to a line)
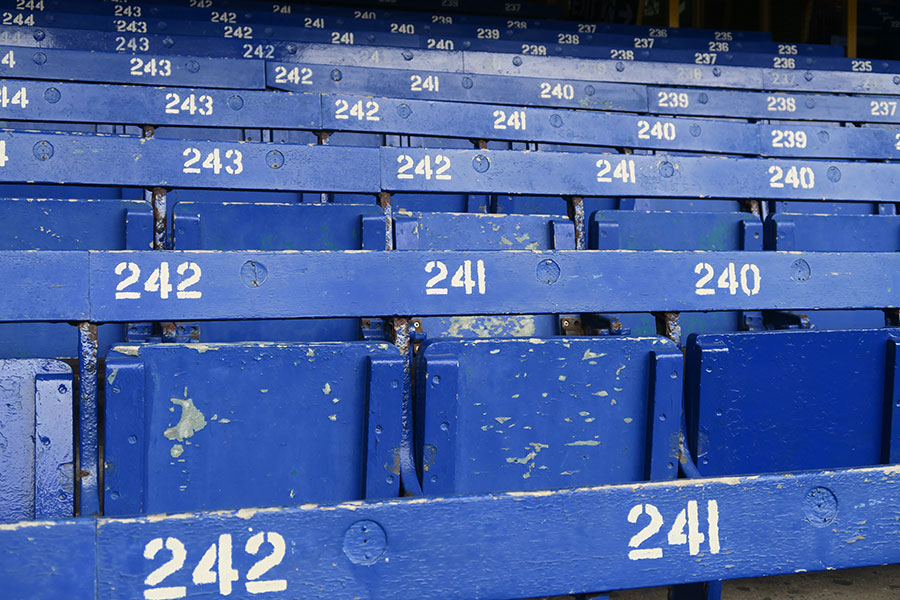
337, 273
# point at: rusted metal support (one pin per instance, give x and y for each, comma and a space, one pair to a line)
852, 16
409, 479
667, 325
674, 5
322, 138
160, 221
481, 144
751, 206
384, 201
892, 317
88, 463
576, 213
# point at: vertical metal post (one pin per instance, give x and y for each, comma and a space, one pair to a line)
852, 13
160, 220
88, 479
576, 213
639, 19
673, 13
697, 13
765, 15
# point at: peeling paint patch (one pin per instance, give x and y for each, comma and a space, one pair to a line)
332, 417
588, 355
327, 389
584, 443
628, 419
129, 350
176, 450
584, 413
502, 420
310, 352
562, 377
112, 376
495, 351
191, 421
601, 393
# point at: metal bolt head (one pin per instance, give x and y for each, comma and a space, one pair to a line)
235, 102
43, 150
467, 82
192, 66
254, 274
407, 54
39, 35
336, 75
39, 58
517, 60
275, 159
404, 111
52, 95
481, 163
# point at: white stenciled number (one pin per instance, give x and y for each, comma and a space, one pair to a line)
649, 530
152, 67
783, 62
861, 65
215, 566
781, 103
424, 83
882, 108
563, 91
672, 99
624, 170
788, 139
658, 130
213, 161
462, 278
13, 97
238, 31
134, 273
621, 54
515, 120
705, 58
688, 518
297, 75
536, 49
426, 167
747, 279
802, 178
191, 104
182, 290
217, 554
362, 111
338, 37
159, 281
3, 157
254, 584
176, 548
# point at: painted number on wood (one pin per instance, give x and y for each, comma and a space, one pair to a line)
437, 168
215, 566
747, 279
688, 517
462, 278
159, 281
